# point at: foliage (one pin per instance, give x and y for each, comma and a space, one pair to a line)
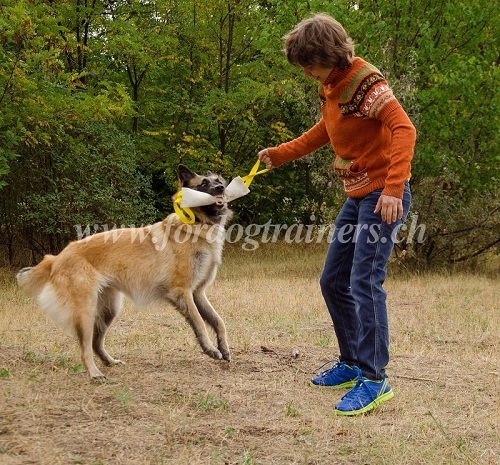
89, 177
101, 100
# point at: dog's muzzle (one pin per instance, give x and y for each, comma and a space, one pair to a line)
192, 198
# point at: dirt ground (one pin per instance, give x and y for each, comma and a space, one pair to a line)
171, 404
181, 408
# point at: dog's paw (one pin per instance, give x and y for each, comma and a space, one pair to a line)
112, 362
214, 353
226, 356
99, 378
117, 362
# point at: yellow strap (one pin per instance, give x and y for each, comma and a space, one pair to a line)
186, 214
253, 172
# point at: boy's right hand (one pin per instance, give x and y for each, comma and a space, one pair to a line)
264, 156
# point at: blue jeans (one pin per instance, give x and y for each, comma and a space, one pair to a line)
352, 278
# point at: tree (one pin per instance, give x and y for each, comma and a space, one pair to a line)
206, 84
67, 162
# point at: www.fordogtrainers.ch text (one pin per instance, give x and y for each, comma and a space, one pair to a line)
253, 235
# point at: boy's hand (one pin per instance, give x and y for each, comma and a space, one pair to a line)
391, 208
264, 156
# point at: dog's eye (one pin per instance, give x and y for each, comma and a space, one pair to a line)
204, 183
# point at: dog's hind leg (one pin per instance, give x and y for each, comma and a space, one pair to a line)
108, 306
187, 307
209, 314
84, 327
77, 292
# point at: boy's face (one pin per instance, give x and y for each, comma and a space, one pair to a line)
318, 73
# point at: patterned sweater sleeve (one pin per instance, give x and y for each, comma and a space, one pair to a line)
308, 142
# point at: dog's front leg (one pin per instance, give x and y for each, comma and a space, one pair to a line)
192, 315
209, 314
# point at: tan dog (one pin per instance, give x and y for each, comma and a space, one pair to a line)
82, 288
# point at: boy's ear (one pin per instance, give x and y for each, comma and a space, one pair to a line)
185, 174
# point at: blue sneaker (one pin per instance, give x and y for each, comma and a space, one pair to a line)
364, 396
339, 376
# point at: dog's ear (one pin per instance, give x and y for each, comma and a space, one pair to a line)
185, 174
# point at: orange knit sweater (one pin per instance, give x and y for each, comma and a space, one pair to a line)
371, 135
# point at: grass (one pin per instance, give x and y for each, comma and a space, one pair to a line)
170, 404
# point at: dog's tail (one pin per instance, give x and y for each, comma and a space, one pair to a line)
32, 279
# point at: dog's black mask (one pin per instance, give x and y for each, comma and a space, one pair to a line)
210, 183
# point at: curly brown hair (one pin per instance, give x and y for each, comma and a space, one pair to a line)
319, 40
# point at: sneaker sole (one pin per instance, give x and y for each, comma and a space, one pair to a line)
379, 400
346, 385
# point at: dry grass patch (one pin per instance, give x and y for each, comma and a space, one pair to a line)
170, 404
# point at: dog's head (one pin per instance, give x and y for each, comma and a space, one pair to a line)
212, 184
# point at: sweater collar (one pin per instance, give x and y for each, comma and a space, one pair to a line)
337, 75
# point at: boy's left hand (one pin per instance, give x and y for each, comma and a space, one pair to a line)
390, 208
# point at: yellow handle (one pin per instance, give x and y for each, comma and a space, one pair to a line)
185, 214
253, 172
